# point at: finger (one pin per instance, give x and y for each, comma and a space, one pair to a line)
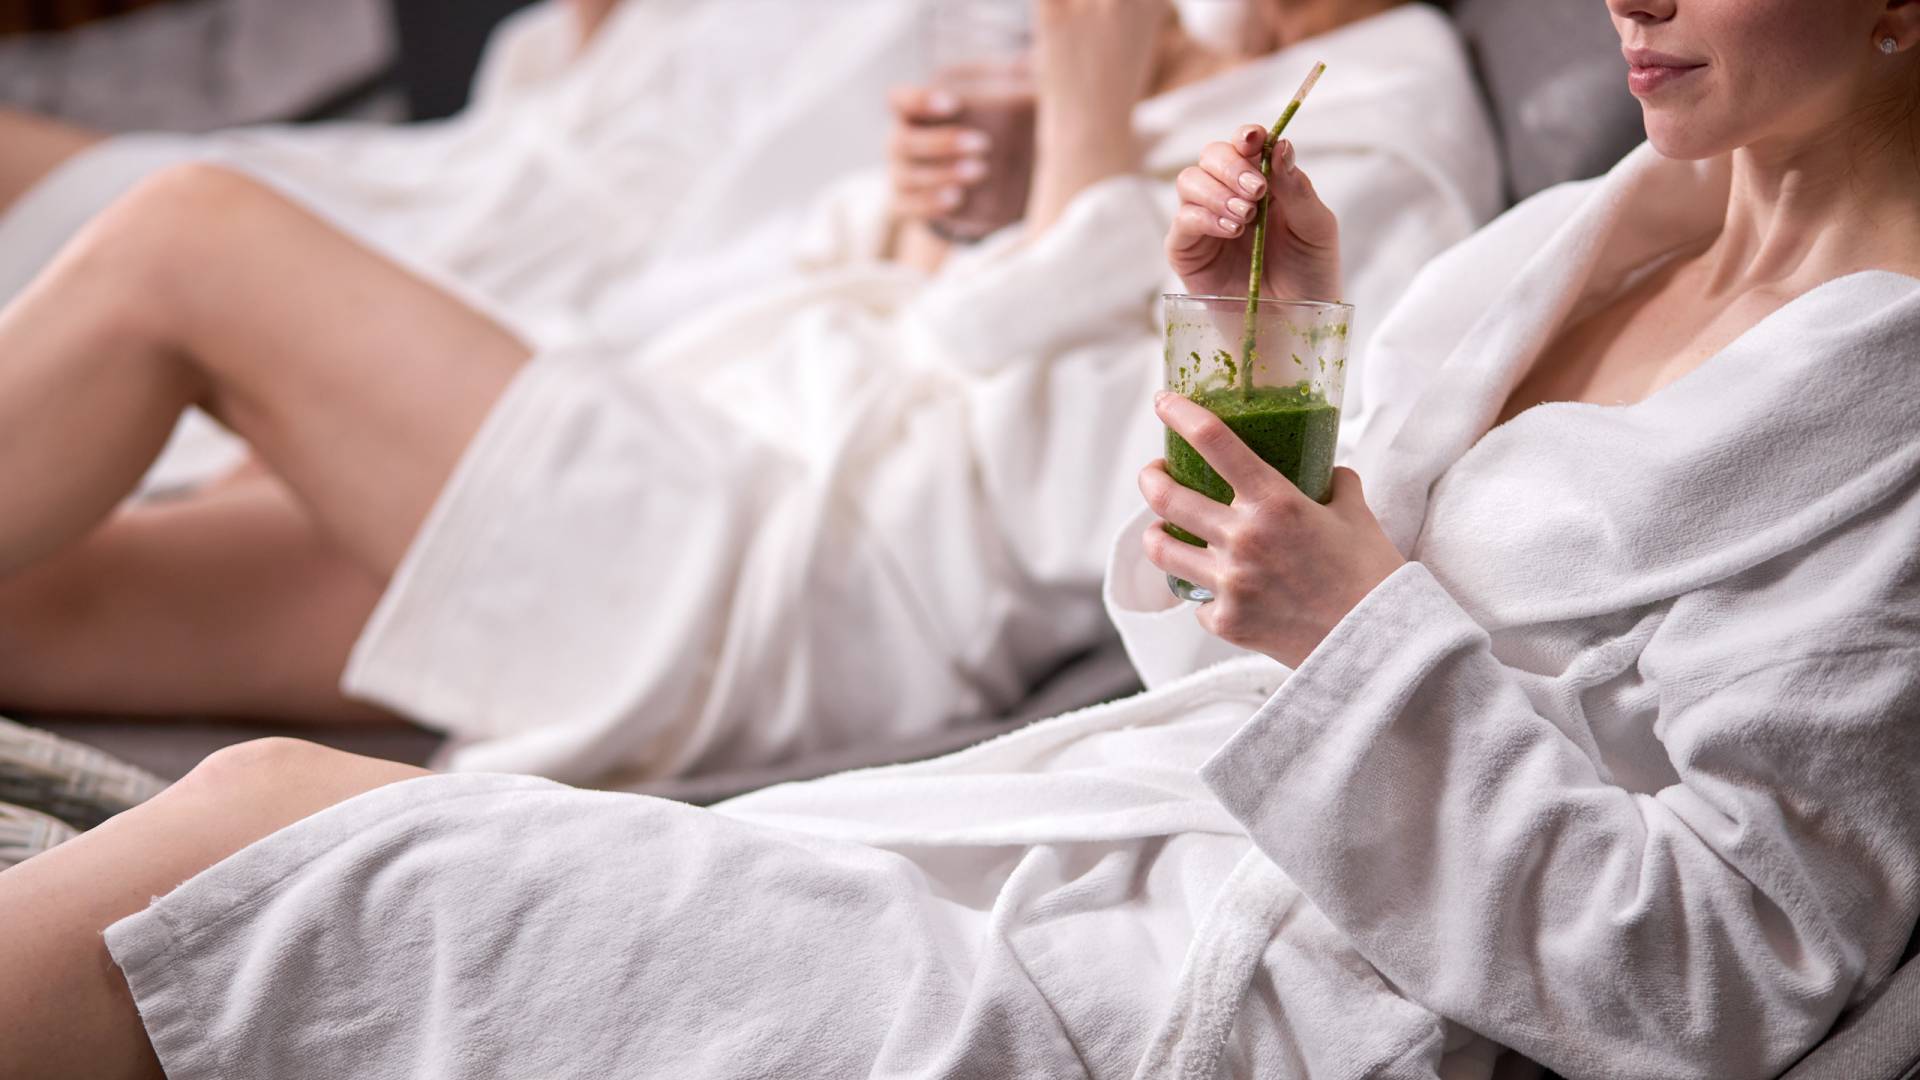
1177, 557
1195, 239
1197, 187
1210, 437
1179, 505
923, 104
1298, 205
938, 143
930, 205
1222, 619
960, 175
1234, 170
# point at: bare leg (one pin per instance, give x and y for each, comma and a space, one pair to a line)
358, 384
68, 1011
224, 605
32, 147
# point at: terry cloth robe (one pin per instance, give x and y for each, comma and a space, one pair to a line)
602, 192
1619, 773
865, 505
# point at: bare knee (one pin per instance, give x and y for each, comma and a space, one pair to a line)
183, 211
299, 777
262, 761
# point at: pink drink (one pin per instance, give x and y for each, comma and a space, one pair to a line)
999, 101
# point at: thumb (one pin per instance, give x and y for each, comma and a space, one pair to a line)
1296, 203
1348, 493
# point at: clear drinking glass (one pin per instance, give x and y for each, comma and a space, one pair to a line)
1285, 405
982, 54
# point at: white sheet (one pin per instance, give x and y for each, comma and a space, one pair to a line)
683, 560
1620, 773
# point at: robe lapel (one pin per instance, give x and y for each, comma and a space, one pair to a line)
1647, 206
1803, 424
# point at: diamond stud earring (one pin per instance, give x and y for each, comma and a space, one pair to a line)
1889, 46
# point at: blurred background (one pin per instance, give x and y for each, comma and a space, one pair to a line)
195, 65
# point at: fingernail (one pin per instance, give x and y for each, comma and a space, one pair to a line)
951, 197
1230, 225
1161, 397
972, 169
973, 142
1252, 183
1240, 207
1286, 153
942, 102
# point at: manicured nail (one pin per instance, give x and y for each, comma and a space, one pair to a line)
1252, 183
1241, 208
952, 197
973, 142
972, 169
1230, 225
942, 102
1286, 154
1161, 397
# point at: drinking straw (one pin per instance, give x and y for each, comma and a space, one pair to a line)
1248, 353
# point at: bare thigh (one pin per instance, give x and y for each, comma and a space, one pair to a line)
31, 147
229, 605
358, 383
68, 1010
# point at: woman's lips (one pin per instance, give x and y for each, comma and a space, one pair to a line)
1651, 71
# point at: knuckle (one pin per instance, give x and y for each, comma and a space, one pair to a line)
1238, 539
1157, 544
1229, 619
1155, 491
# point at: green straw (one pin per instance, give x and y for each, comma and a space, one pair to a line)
1248, 352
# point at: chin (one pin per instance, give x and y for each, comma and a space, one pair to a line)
1675, 137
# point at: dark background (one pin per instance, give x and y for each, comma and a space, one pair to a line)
440, 44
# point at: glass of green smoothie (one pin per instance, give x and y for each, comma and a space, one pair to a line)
1277, 381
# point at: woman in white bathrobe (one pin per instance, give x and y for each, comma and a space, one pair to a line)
1619, 772
707, 535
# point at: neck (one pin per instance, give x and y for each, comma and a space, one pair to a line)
1273, 25
1803, 214
1293, 21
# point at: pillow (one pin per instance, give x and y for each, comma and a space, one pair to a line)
1558, 85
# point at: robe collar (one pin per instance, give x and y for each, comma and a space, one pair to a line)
1795, 428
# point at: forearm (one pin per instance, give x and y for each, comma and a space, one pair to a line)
1076, 151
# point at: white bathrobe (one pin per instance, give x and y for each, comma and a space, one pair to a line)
1620, 773
586, 194
689, 136
682, 559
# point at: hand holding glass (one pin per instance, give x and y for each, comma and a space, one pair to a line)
1282, 398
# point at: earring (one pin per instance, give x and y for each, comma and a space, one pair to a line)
1889, 45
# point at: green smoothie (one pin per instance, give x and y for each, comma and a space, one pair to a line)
1292, 428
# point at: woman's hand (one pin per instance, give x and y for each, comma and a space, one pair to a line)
1211, 245
1283, 569
1094, 60
932, 159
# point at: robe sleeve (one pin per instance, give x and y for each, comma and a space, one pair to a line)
1012, 300
1480, 859
851, 224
